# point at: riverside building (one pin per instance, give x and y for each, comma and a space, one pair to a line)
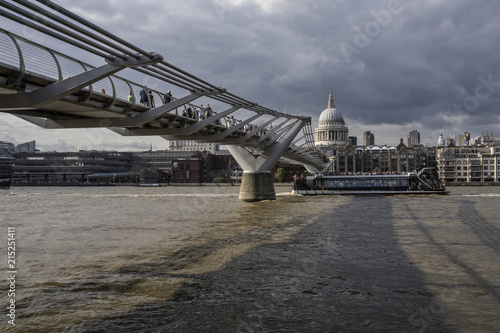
468, 164
32, 167
191, 145
385, 159
37, 167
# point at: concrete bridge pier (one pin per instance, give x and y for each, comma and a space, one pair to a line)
257, 182
257, 186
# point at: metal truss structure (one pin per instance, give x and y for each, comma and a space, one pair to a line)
54, 90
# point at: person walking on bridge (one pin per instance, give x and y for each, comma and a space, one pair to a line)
208, 111
144, 97
201, 112
168, 97
151, 98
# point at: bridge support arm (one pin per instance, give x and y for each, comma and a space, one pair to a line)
257, 184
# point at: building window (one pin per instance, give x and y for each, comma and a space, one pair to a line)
459, 162
485, 161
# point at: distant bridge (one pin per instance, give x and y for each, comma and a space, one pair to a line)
54, 90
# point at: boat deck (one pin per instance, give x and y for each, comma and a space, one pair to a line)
375, 192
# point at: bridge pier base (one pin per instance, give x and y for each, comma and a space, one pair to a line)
257, 186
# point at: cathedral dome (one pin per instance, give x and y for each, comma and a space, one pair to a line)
331, 130
331, 115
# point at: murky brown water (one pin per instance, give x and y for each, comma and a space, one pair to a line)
178, 259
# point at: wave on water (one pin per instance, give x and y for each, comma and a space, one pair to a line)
125, 195
483, 195
286, 194
161, 195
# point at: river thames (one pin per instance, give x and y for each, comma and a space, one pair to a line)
195, 259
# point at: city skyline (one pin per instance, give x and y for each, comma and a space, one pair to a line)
173, 144
394, 66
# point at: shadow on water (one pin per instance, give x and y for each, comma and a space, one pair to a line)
471, 279
482, 229
485, 231
343, 272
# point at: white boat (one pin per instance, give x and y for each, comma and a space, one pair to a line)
424, 182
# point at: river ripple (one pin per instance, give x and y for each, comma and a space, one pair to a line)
195, 259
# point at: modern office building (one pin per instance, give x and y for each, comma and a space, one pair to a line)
413, 138
368, 139
71, 167
191, 145
27, 147
6, 149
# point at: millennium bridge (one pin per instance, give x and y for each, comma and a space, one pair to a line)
55, 90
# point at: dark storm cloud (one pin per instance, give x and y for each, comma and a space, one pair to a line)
427, 59
394, 66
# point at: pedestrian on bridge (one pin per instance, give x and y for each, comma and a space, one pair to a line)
189, 111
168, 97
201, 112
151, 99
131, 97
208, 111
144, 97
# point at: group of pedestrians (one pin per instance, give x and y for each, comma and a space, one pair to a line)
199, 113
147, 97
204, 112
300, 183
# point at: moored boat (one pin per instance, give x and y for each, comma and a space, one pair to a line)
424, 182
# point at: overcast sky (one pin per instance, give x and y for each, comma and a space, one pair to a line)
394, 66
